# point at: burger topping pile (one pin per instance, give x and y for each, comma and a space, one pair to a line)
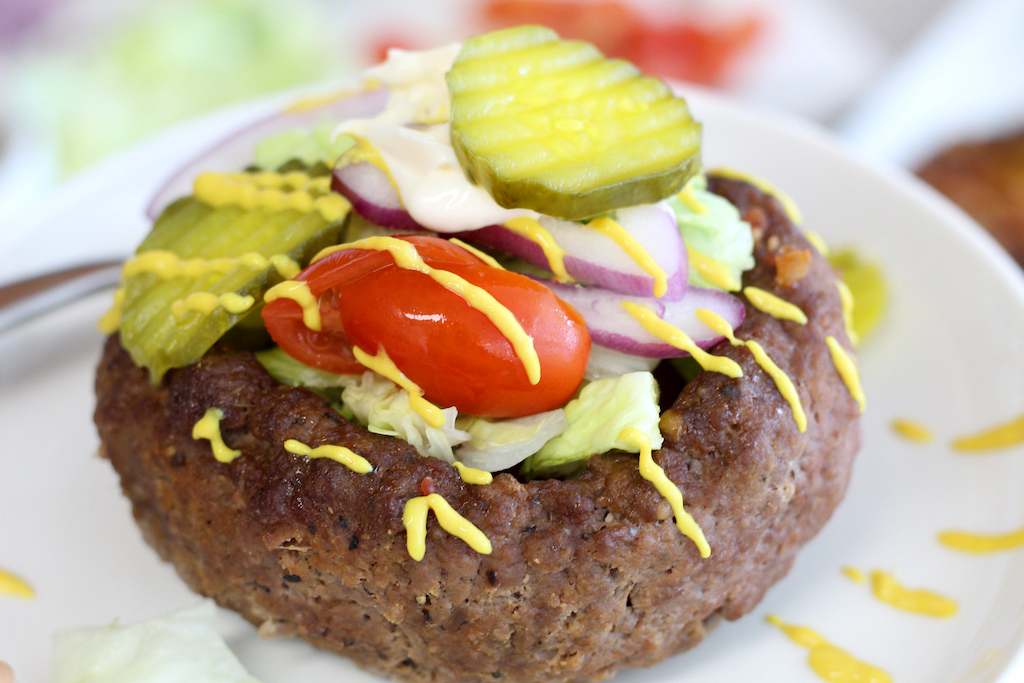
529, 235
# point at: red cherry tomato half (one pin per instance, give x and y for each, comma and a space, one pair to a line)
451, 350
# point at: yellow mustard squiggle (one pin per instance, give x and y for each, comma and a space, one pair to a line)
299, 292
672, 335
209, 428
207, 302
828, 661
502, 318
847, 370
472, 475
531, 229
15, 586
712, 271
781, 379
788, 205
969, 542
383, 365
414, 518
653, 472
629, 244
111, 320
250, 191
777, 307
340, 454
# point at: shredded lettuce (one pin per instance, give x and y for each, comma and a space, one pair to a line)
596, 418
308, 146
182, 646
720, 234
605, 363
384, 408
499, 444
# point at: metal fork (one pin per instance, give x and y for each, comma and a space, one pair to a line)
26, 299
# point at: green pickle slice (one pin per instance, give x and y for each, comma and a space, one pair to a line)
159, 340
552, 125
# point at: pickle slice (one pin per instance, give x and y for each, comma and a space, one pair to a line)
157, 328
554, 126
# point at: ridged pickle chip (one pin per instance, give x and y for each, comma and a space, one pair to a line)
223, 245
552, 125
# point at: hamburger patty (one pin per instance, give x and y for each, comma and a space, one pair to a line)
586, 576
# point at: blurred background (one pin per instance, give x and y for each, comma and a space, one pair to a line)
82, 79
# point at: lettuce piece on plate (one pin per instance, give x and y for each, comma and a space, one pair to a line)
596, 418
182, 646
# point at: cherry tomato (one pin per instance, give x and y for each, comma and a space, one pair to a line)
451, 350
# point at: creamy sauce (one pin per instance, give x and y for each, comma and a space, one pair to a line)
414, 517
209, 428
251, 191
405, 256
782, 381
629, 244
299, 292
15, 586
919, 601
384, 366
472, 475
531, 229
847, 370
790, 207
912, 431
1003, 435
207, 302
712, 271
831, 663
982, 543
653, 472
670, 334
766, 302
340, 454
846, 301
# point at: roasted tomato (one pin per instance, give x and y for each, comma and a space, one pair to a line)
448, 348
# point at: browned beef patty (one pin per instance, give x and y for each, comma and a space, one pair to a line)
587, 576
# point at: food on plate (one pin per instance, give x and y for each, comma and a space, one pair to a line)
357, 399
986, 179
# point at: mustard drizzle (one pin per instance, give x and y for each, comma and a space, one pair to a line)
207, 302
690, 201
912, 431
166, 264
846, 301
847, 370
208, 427
969, 542
383, 365
414, 518
629, 244
886, 588
775, 306
790, 207
828, 661
671, 334
531, 229
15, 586
296, 191
472, 475
299, 292
1002, 435
340, 454
785, 385
712, 271
502, 318
653, 472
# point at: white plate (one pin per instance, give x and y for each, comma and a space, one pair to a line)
949, 354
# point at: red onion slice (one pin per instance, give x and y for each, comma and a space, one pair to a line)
372, 195
236, 151
596, 259
612, 326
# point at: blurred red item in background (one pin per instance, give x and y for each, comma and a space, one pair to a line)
698, 49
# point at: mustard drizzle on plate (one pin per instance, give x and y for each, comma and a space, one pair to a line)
15, 586
830, 662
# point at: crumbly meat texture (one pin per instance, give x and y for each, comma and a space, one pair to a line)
986, 179
586, 577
